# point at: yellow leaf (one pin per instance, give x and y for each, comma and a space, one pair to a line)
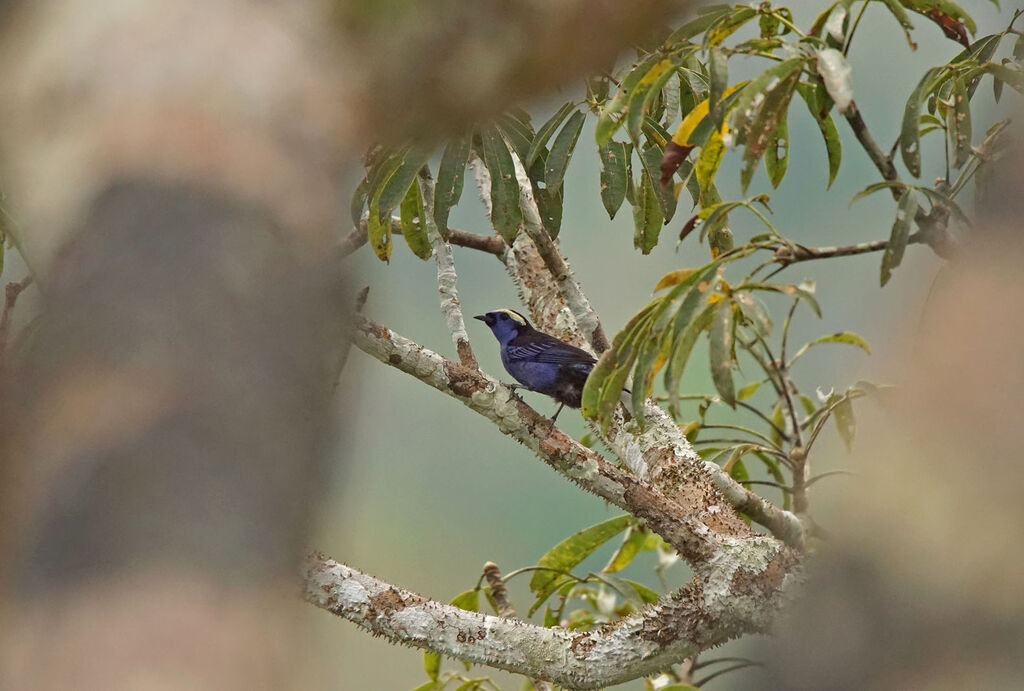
673, 278
694, 117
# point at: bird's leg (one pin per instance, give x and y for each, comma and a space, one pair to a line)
555, 416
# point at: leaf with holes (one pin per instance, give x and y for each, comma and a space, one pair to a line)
647, 216
614, 159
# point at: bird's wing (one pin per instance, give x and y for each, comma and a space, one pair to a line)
550, 350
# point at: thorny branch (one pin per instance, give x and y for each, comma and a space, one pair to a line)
743, 594
505, 609
583, 313
690, 502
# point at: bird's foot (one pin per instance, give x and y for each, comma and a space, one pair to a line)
513, 388
555, 416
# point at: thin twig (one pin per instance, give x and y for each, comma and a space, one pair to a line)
778, 430
828, 474
705, 680
491, 244
505, 609
792, 255
881, 160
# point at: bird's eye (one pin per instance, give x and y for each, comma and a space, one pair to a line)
502, 316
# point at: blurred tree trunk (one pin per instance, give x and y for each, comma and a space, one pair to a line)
174, 168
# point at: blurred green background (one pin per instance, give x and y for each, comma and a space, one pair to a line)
427, 492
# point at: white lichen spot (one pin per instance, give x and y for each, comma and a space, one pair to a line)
589, 470
352, 593
835, 73
416, 623
834, 25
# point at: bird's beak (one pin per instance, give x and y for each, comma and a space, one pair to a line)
485, 318
480, 317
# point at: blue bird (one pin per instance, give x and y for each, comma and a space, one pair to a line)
539, 361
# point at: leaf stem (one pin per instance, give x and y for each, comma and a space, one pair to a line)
853, 29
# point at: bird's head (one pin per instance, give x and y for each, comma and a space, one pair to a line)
505, 324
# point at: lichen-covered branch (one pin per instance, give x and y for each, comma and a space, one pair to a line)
694, 522
586, 318
742, 595
660, 452
447, 279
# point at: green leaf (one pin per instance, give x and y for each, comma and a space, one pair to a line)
546, 131
431, 665
710, 159
413, 231
646, 89
776, 156
517, 134
755, 312
1015, 78
724, 27
506, 216
396, 185
469, 601
748, 390
650, 157
358, 201
608, 121
681, 349
718, 62
706, 16
910, 138
960, 123
647, 216
900, 234
614, 157
761, 106
845, 422
549, 204
804, 291
833, 145
378, 223
679, 687
430, 686
847, 337
632, 544
568, 553
721, 350
451, 175
646, 594
561, 150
